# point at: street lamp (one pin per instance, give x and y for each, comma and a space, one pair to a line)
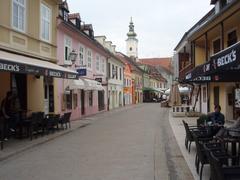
72, 56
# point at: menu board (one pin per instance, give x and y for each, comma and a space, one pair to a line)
237, 98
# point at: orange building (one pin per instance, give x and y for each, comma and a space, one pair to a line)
128, 85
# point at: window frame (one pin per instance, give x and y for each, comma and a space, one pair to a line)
102, 65
69, 100
88, 58
82, 61
98, 62
214, 40
67, 61
229, 32
120, 73
43, 4
24, 15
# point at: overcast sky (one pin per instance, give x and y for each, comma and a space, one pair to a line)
159, 24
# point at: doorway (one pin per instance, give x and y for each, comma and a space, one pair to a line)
19, 87
82, 102
48, 95
216, 95
101, 105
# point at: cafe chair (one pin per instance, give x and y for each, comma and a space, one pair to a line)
65, 120
223, 169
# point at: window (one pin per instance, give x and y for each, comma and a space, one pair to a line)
216, 46
232, 38
120, 73
109, 70
124, 82
223, 3
130, 48
103, 65
67, 49
19, 14
89, 59
65, 15
81, 55
90, 98
116, 72
113, 71
97, 63
69, 100
45, 22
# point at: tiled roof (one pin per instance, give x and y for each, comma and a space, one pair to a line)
163, 62
128, 60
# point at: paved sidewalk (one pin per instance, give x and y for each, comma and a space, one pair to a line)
179, 132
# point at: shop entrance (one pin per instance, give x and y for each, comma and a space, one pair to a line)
82, 102
101, 104
48, 95
19, 87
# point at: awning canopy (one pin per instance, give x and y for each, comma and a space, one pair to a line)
151, 89
27, 65
77, 84
92, 85
86, 84
222, 67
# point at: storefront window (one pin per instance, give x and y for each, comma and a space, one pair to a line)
69, 100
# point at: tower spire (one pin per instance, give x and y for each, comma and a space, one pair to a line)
131, 32
132, 42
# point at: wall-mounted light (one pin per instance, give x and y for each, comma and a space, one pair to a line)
37, 76
72, 56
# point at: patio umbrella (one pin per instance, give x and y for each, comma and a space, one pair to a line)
175, 98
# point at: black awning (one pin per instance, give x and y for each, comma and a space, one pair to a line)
21, 64
222, 67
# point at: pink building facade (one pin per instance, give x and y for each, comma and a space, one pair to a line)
88, 95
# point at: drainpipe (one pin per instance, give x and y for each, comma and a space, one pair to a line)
107, 83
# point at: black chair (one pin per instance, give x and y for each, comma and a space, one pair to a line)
223, 169
65, 120
52, 122
201, 156
189, 134
36, 124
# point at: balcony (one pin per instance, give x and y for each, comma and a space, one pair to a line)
184, 70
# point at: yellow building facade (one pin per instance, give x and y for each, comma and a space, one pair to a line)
28, 44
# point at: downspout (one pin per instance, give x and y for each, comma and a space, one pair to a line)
107, 78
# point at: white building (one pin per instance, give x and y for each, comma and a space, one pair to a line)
115, 74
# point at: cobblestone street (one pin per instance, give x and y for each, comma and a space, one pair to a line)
133, 143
